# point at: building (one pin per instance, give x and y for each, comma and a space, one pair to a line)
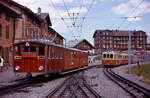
56, 37
148, 47
18, 22
52, 34
7, 30
117, 40
80, 44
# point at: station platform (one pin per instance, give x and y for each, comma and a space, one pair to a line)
7, 75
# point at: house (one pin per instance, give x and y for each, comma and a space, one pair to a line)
80, 44
18, 22
52, 34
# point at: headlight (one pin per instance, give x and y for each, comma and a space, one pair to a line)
41, 68
17, 68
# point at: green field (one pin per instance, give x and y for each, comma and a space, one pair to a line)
144, 71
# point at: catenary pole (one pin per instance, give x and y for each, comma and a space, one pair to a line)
129, 53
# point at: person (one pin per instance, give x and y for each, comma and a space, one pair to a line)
1, 63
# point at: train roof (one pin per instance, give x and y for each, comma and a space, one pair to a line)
114, 52
110, 52
46, 42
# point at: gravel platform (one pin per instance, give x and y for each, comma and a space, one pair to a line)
104, 86
137, 79
40, 90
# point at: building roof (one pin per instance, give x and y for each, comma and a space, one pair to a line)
74, 43
51, 30
45, 41
118, 32
6, 9
45, 16
11, 2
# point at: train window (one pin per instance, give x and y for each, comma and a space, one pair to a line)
53, 53
57, 53
18, 51
111, 55
41, 50
104, 55
26, 49
49, 55
107, 55
33, 48
61, 53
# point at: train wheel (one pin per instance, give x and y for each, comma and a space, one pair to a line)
29, 75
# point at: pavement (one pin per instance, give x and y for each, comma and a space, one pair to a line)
7, 75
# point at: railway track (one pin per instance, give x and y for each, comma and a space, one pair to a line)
15, 87
74, 87
135, 90
24, 83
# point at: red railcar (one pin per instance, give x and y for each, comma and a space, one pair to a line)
44, 57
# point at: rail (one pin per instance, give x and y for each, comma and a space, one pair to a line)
74, 87
136, 90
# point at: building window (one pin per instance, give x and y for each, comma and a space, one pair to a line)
2, 52
7, 17
7, 55
7, 32
0, 13
0, 30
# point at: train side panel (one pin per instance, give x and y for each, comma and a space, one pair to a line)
55, 59
74, 59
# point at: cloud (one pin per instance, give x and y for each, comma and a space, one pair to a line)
110, 0
106, 0
127, 9
62, 26
78, 9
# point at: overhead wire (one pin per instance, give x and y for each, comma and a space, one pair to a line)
139, 15
66, 8
130, 14
84, 17
75, 16
61, 17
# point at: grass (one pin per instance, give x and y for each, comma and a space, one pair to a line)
144, 71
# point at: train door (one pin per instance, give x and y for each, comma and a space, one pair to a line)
49, 69
55, 58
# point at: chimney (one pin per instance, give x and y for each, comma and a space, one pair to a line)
39, 10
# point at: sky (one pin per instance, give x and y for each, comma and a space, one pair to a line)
78, 19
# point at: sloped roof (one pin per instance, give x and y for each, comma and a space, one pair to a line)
45, 16
51, 30
7, 9
118, 32
24, 8
74, 43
